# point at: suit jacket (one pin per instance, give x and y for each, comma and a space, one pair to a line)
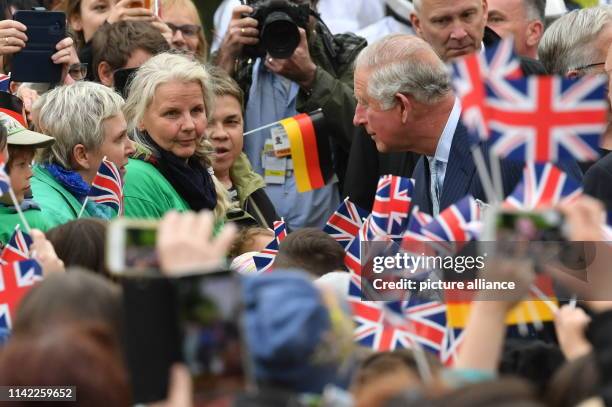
462, 177
598, 181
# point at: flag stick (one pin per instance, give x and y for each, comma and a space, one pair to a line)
19, 211
520, 321
533, 314
498, 183
484, 175
267, 126
573, 301
542, 297
83, 207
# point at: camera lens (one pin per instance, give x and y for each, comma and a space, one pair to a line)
280, 35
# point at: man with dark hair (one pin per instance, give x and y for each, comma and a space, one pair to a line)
126, 44
311, 250
523, 19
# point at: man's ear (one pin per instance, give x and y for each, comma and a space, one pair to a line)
105, 74
80, 157
405, 105
535, 30
572, 74
416, 24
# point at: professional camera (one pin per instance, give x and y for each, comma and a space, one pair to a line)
278, 27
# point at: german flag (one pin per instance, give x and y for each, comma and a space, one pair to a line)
310, 150
538, 306
13, 106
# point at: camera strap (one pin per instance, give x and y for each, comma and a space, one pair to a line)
328, 40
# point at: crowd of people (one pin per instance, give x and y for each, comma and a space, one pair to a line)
198, 139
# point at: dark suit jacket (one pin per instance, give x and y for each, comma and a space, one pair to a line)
461, 177
598, 181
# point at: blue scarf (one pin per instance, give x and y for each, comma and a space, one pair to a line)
71, 180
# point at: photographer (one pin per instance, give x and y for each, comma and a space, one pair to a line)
317, 74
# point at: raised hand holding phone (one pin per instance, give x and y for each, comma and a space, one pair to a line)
12, 36
185, 243
130, 10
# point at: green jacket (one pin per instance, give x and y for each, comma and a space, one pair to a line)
9, 219
58, 205
148, 194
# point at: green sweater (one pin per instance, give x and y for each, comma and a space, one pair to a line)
9, 219
58, 204
147, 194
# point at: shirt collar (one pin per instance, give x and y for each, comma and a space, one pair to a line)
446, 139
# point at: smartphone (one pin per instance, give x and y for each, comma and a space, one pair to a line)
44, 30
153, 5
196, 320
130, 247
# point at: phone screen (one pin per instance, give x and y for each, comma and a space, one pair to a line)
210, 319
545, 226
140, 254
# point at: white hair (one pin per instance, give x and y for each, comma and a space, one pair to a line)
171, 67
75, 114
568, 43
397, 65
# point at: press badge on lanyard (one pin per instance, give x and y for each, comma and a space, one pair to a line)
280, 142
275, 168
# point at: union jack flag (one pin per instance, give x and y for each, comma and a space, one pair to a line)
280, 230
414, 231
379, 327
392, 206
344, 224
107, 187
16, 280
5, 181
17, 248
547, 118
543, 186
470, 74
456, 224
5, 82
264, 259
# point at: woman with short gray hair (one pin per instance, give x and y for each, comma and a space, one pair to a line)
167, 111
87, 122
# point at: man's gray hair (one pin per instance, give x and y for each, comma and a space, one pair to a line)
396, 66
568, 43
535, 9
75, 114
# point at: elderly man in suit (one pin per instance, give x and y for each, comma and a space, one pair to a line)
405, 102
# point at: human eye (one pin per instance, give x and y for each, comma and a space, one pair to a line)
468, 15
198, 109
171, 113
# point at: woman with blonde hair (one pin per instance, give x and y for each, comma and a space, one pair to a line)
187, 32
167, 111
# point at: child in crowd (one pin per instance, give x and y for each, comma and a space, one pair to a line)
22, 145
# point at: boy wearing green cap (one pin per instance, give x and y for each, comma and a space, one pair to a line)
22, 145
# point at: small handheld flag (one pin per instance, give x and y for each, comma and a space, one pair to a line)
16, 280
17, 248
5, 181
310, 150
543, 186
344, 224
107, 187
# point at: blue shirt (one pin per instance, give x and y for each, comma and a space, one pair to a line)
271, 98
445, 142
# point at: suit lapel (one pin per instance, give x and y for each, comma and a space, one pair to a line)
421, 177
460, 169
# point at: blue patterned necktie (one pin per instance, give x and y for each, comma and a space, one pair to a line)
434, 169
